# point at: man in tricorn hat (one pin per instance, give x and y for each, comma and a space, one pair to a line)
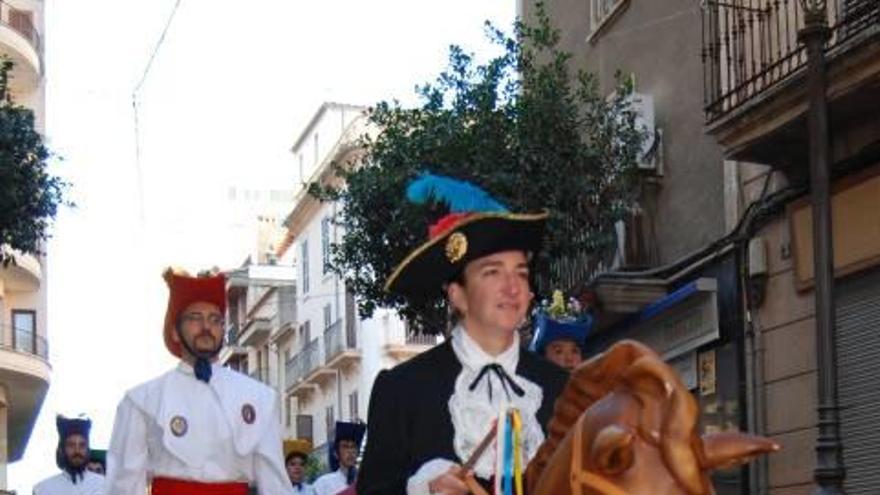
427, 416
342, 459
71, 456
199, 428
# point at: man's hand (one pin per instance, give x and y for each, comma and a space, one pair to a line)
449, 483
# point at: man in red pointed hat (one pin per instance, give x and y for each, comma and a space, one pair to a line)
429, 415
200, 428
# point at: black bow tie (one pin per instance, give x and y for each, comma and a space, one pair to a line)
502, 375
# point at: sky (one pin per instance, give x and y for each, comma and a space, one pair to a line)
227, 92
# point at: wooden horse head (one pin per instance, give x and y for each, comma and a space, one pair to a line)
626, 425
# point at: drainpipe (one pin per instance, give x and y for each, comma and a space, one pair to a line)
342, 330
829, 471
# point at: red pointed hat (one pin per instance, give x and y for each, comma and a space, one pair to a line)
477, 226
183, 290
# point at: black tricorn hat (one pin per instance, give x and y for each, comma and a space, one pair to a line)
476, 226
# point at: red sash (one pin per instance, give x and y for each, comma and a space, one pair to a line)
168, 486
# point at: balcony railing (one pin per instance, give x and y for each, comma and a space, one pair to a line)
749, 46
338, 338
24, 340
303, 363
420, 339
20, 22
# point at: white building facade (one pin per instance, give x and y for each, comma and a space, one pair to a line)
24, 365
332, 356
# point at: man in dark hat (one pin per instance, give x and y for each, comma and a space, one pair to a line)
199, 428
343, 459
427, 416
72, 455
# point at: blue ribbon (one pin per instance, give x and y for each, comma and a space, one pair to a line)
507, 475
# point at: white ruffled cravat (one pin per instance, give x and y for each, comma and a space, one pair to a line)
473, 408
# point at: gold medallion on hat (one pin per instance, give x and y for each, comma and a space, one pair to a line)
178, 426
456, 247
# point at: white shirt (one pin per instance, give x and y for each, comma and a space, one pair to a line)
473, 411
61, 484
330, 483
176, 426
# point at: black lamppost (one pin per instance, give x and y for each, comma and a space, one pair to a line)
829, 471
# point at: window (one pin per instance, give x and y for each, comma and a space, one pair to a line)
325, 244
304, 427
257, 372
327, 316
289, 413
317, 152
22, 21
353, 406
24, 328
603, 10
331, 423
304, 261
305, 334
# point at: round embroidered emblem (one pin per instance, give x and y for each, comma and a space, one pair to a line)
178, 426
456, 247
248, 414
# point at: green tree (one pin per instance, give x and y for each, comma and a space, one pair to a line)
29, 195
524, 126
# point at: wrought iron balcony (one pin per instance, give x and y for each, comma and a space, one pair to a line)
750, 46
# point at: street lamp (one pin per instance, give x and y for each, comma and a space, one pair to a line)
829, 471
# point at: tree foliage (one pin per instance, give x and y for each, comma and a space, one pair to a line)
524, 126
29, 195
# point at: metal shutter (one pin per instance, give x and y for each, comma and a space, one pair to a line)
858, 353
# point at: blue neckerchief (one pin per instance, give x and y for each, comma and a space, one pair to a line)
202, 369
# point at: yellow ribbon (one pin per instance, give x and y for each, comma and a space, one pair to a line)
517, 452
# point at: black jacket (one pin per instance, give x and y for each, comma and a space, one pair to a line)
409, 422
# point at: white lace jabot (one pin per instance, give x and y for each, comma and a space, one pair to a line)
473, 411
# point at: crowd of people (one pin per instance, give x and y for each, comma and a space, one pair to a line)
201, 428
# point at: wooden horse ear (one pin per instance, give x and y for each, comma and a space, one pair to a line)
722, 450
612, 450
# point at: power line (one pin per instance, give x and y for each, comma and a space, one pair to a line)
134, 104
156, 48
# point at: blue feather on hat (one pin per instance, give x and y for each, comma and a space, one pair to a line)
459, 195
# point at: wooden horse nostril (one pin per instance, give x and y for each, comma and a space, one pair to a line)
613, 450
